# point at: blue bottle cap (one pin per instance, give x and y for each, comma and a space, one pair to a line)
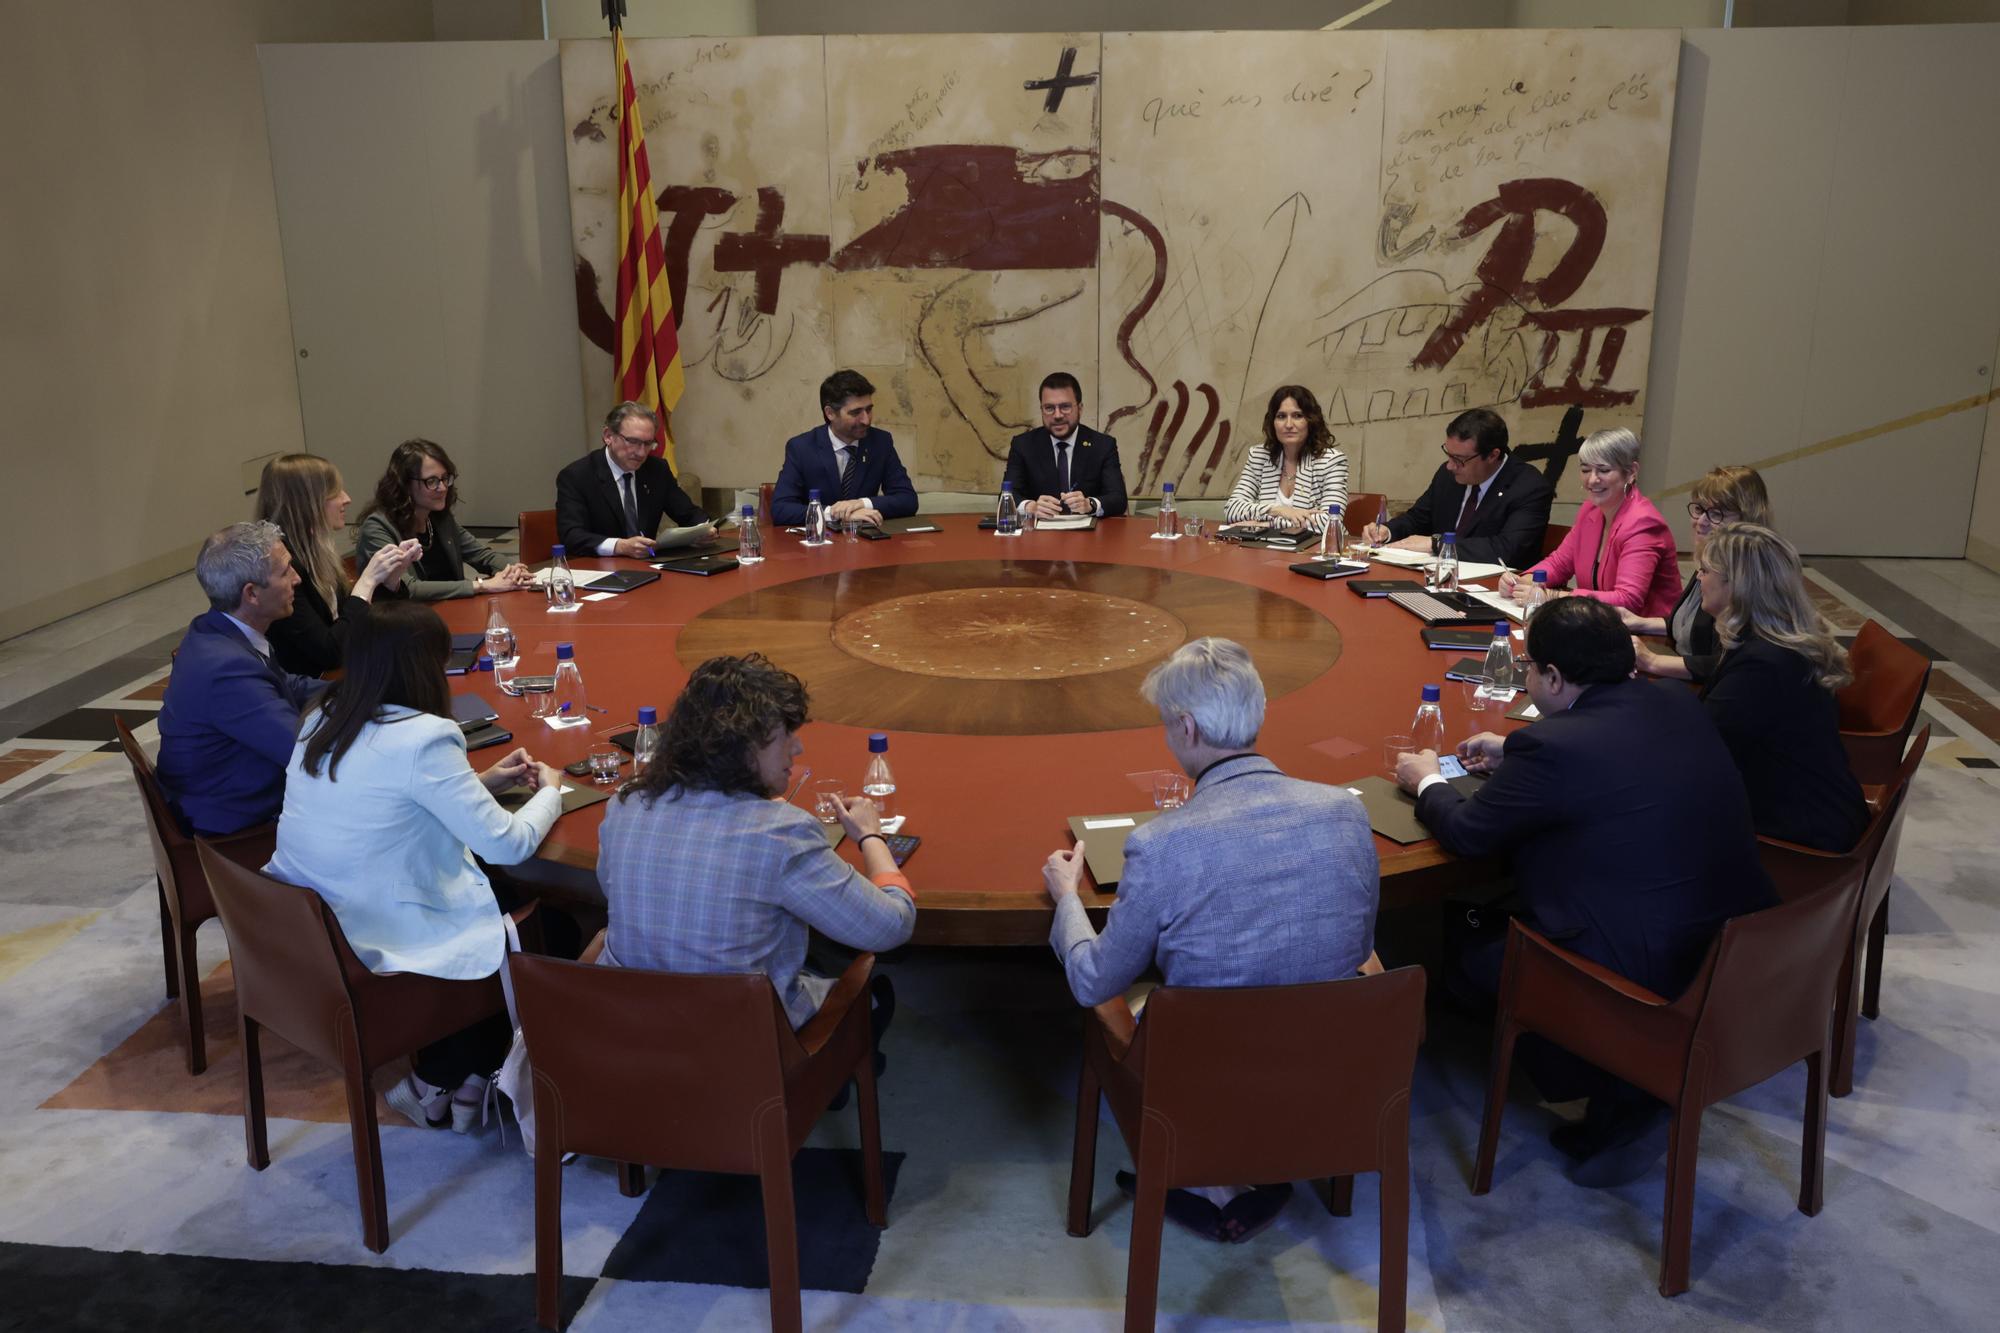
564, 653
812, 495
1447, 536
1541, 576
878, 743
1006, 486
749, 511
648, 716
1333, 509
1430, 694
485, 664
556, 552
1167, 488
1500, 627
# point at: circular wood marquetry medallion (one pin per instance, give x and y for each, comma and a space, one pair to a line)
1010, 647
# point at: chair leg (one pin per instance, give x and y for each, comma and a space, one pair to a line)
1142, 1273
1083, 1153
1504, 1034
868, 1110
1677, 1238
367, 1136
167, 942
548, 1229
256, 1143
1392, 1299
1846, 1000
631, 1178
197, 1043
1337, 1193
1812, 1152
1871, 983
781, 1239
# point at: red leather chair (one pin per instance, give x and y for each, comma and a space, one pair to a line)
1879, 707
538, 535
1261, 1083
1363, 508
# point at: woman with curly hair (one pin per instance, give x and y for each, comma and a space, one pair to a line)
706, 867
1297, 472
415, 498
1771, 695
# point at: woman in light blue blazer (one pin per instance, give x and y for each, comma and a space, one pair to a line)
383, 818
1296, 473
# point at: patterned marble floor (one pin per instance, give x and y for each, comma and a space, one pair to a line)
125, 1203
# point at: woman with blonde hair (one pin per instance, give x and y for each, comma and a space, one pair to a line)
1725, 495
1771, 695
1620, 550
302, 494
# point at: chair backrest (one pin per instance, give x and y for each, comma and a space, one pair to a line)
1888, 686
288, 972
1552, 537
174, 857
764, 493
1770, 986
538, 535
1265, 1083
665, 1068
1881, 847
1363, 508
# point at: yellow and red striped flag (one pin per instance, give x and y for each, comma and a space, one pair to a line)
649, 348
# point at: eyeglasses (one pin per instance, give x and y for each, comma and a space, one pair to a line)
436, 484
1460, 459
1696, 512
636, 444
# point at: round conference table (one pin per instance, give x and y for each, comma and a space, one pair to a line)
1005, 672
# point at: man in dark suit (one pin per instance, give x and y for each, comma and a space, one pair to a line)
230, 716
851, 464
1062, 467
1628, 829
1498, 505
610, 501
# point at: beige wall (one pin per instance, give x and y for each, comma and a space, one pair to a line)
142, 270
1983, 544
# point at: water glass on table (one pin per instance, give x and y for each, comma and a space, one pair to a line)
1193, 526
1170, 791
826, 795
605, 760
1394, 748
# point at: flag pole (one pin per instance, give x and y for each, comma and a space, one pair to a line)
613, 12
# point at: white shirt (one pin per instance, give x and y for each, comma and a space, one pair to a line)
257, 641
609, 546
1096, 505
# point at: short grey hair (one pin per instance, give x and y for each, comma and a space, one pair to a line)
1214, 682
1617, 448
239, 554
614, 420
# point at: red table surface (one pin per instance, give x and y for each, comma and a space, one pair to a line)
991, 808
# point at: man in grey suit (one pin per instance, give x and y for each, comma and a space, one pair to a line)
1259, 880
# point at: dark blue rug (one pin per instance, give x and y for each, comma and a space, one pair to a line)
697, 1226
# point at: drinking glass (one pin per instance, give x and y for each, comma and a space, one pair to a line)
1192, 526
1170, 791
825, 794
1392, 749
605, 761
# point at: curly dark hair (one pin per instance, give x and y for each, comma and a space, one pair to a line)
392, 493
731, 706
1318, 438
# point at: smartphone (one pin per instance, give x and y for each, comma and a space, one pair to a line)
579, 769
901, 845
1450, 766
874, 534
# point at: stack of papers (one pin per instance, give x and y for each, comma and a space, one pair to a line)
1498, 602
1065, 523
584, 577
1467, 569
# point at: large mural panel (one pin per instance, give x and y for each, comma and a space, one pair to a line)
1409, 223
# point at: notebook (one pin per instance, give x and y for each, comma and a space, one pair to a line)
1103, 838
574, 797
1330, 569
471, 711
1382, 587
625, 580
1392, 812
464, 653
1458, 638
715, 563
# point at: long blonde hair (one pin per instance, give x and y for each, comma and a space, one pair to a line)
1768, 599
293, 493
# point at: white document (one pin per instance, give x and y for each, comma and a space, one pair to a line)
584, 577
598, 596
1063, 523
676, 537
1467, 569
1109, 823
1498, 602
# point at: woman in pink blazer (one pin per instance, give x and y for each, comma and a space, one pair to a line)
1620, 550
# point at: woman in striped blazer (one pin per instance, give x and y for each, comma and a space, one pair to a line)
1296, 473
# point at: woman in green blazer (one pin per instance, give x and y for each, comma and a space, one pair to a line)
414, 499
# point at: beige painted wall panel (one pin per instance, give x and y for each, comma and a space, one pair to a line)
964, 237
427, 260
729, 119
1751, 173
1909, 292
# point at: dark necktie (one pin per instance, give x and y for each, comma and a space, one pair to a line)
1062, 467
1471, 508
849, 472
631, 506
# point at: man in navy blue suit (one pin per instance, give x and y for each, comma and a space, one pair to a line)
1062, 466
1497, 505
851, 464
1630, 837
230, 716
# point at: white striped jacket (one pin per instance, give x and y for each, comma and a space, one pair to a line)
1322, 481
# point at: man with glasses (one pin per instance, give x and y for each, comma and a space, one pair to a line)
1496, 504
610, 501
1062, 466
230, 714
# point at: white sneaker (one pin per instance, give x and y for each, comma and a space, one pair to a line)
467, 1102
419, 1102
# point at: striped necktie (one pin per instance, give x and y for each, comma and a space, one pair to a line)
850, 472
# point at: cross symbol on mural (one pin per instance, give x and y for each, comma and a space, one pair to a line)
1061, 81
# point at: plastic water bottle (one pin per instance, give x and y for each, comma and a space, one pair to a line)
879, 784
1427, 731
749, 541
1444, 569
1007, 516
1170, 528
1499, 668
815, 520
567, 704
1333, 537
562, 583
1538, 596
646, 740
499, 636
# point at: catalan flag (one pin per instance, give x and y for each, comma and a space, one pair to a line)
649, 348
